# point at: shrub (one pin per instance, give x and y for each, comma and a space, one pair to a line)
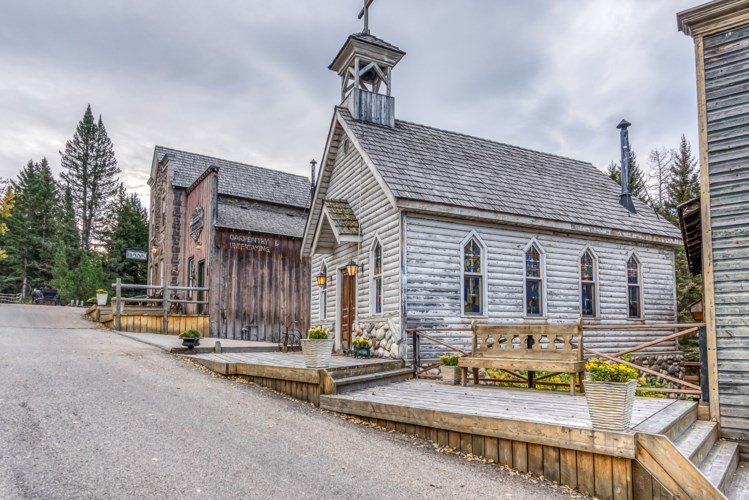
603, 371
318, 333
449, 359
190, 334
101, 290
361, 343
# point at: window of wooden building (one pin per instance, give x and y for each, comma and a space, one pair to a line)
324, 293
190, 276
588, 284
473, 271
534, 281
376, 278
634, 288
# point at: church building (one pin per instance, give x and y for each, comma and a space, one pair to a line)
412, 226
235, 229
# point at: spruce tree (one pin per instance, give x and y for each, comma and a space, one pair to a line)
90, 169
129, 230
68, 232
684, 183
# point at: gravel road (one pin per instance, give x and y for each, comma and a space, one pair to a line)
85, 413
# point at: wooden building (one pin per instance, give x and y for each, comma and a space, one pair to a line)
440, 229
235, 229
716, 226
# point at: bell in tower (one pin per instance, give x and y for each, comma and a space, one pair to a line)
365, 65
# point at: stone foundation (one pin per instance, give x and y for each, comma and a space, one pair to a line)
668, 363
384, 338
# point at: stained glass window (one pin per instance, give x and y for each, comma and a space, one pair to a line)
588, 284
377, 278
634, 296
534, 285
472, 278
324, 294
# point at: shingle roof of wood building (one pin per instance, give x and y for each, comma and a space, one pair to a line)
437, 167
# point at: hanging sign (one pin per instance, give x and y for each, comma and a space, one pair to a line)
136, 254
196, 223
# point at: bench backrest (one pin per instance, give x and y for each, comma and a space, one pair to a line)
550, 341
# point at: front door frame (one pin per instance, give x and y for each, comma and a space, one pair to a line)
342, 275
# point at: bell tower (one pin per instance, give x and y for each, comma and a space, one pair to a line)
365, 65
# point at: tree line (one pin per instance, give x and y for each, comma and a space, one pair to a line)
669, 179
71, 232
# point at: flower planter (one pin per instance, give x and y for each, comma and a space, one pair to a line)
450, 375
101, 299
361, 352
190, 343
317, 352
610, 404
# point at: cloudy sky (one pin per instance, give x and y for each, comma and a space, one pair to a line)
247, 80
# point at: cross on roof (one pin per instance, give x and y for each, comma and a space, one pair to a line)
365, 14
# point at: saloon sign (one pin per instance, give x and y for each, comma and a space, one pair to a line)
136, 254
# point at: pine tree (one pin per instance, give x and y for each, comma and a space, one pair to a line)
91, 172
129, 230
684, 183
68, 232
638, 185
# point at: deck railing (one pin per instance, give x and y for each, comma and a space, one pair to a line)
168, 299
10, 298
684, 387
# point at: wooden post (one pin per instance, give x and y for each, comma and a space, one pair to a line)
165, 303
117, 303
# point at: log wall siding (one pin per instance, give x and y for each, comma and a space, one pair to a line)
434, 288
204, 195
726, 74
258, 281
353, 181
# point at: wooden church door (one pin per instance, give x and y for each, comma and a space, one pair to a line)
348, 308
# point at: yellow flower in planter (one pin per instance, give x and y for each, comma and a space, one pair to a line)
449, 359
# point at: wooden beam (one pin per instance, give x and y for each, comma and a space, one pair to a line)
658, 341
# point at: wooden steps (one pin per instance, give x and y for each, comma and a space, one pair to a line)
720, 463
697, 441
671, 421
367, 380
738, 488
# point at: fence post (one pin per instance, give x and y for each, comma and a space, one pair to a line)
704, 377
417, 353
117, 304
165, 303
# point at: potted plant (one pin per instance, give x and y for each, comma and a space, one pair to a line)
101, 297
317, 348
190, 338
610, 391
449, 370
361, 348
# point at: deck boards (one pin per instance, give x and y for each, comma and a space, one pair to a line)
283, 360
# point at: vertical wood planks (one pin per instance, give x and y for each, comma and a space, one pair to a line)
520, 456
536, 459
604, 484
586, 479
568, 467
551, 463
622, 478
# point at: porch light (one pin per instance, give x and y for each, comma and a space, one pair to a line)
154, 249
322, 279
198, 245
351, 268
695, 309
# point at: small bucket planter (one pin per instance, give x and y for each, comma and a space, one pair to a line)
361, 348
190, 339
101, 297
610, 392
449, 369
317, 348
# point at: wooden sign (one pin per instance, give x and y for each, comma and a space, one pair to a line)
196, 223
136, 254
250, 243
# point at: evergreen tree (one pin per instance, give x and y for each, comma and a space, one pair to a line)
638, 185
68, 232
660, 174
32, 228
684, 183
129, 230
80, 282
7, 200
91, 172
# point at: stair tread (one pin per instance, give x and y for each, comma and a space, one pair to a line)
738, 488
373, 376
717, 466
690, 440
662, 421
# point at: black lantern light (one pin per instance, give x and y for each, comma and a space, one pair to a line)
352, 267
322, 280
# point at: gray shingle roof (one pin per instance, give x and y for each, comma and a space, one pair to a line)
343, 217
427, 164
260, 217
367, 37
239, 179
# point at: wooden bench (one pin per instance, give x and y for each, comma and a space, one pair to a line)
513, 348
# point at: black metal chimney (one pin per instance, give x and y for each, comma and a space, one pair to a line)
625, 199
312, 179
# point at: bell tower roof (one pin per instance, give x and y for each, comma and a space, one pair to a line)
369, 47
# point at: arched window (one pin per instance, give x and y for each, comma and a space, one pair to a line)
376, 278
324, 293
634, 288
588, 285
534, 281
473, 276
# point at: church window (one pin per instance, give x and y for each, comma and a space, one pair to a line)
634, 288
473, 277
588, 284
376, 283
534, 282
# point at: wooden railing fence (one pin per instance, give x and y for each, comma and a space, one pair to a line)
166, 301
10, 298
686, 387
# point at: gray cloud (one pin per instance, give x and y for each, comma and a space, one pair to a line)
248, 80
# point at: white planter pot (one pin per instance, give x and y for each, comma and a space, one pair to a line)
610, 404
317, 352
450, 374
101, 299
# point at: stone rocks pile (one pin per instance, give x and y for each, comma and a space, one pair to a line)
384, 340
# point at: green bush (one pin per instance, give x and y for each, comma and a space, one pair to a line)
318, 333
361, 343
449, 359
190, 334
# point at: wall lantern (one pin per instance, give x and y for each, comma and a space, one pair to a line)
351, 268
198, 245
322, 279
154, 249
695, 309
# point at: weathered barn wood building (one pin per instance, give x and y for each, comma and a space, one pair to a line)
717, 225
235, 229
441, 229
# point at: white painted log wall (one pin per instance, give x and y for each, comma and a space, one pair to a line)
351, 180
434, 288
